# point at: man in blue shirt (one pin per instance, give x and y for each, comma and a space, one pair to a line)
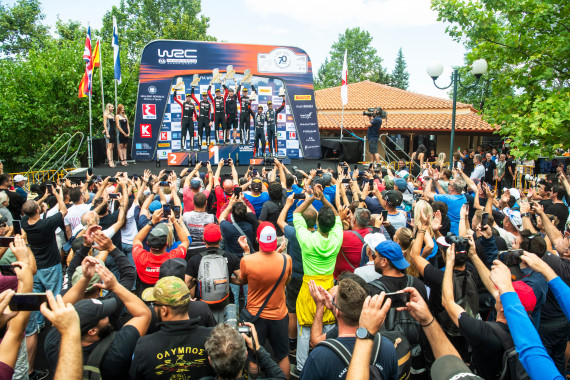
19, 181
256, 196
454, 200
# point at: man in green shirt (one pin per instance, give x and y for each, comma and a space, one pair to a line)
319, 251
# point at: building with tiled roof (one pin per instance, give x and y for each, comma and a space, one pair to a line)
413, 118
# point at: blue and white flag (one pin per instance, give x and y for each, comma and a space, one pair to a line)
117, 58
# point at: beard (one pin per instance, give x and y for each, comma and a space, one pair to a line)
105, 331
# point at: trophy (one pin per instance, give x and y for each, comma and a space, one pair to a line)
282, 92
179, 84
195, 80
246, 76
230, 72
216, 76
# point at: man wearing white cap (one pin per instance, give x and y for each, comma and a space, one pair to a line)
368, 272
19, 181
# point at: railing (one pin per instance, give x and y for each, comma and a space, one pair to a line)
57, 160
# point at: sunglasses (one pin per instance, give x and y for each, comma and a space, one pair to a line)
335, 305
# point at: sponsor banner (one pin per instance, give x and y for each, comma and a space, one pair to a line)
282, 152
304, 106
145, 131
292, 136
290, 127
292, 144
282, 60
176, 135
281, 135
175, 108
164, 136
303, 98
149, 111
281, 144
281, 117
166, 118
264, 91
164, 144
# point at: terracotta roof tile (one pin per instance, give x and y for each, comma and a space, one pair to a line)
366, 94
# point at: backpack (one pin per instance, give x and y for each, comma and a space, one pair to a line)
512, 367
403, 352
401, 321
465, 295
213, 277
91, 370
342, 352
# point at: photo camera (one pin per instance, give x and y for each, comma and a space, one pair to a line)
375, 111
461, 243
231, 318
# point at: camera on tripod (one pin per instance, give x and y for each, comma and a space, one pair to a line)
375, 111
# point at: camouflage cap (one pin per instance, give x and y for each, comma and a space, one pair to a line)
168, 291
388, 182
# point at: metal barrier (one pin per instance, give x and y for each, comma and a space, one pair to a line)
57, 159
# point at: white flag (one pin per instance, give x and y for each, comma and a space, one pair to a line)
344, 87
117, 58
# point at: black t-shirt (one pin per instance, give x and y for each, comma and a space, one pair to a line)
560, 210
41, 237
513, 165
398, 283
551, 310
468, 165
433, 278
117, 361
546, 203
490, 167
486, 347
15, 202
107, 221
271, 210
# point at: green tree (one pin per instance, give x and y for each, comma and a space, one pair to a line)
400, 76
20, 27
362, 60
526, 45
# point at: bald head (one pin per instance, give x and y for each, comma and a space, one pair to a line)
30, 208
228, 186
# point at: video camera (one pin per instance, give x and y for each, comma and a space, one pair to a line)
374, 111
461, 243
231, 318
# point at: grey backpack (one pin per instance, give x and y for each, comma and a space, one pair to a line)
213, 278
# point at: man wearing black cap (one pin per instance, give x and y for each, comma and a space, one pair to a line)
231, 112
259, 125
95, 328
245, 113
390, 200
204, 120
187, 122
219, 103
271, 119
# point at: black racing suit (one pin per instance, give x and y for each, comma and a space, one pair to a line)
259, 123
204, 119
231, 113
219, 103
187, 122
244, 121
271, 119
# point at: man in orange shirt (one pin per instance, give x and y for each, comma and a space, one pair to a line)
261, 271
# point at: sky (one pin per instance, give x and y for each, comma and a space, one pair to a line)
314, 25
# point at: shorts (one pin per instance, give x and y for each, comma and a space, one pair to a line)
373, 146
277, 331
291, 293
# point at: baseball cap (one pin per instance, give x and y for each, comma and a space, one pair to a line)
212, 233
393, 197
269, 102
217, 90
168, 291
157, 237
450, 367
526, 295
402, 174
389, 182
155, 205
173, 267
514, 217
92, 310
373, 239
204, 93
401, 183
267, 237
393, 252
195, 183
515, 193
79, 273
245, 90
3, 219
327, 178
19, 178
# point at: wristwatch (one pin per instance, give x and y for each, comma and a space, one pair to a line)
525, 214
150, 223
362, 333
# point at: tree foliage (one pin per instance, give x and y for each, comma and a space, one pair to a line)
20, 27
400, 76
363, 61
526, 45
38, 95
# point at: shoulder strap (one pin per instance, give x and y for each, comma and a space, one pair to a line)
274, 288
380, 285
505, 338
339, 349
244, 234
357, 235
91, 370
376, 348
410, 281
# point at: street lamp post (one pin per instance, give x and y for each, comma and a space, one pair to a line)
435, 69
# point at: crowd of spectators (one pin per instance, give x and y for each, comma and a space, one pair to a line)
425, 272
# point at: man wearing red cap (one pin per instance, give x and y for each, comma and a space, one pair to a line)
224, 191
263, 272
212, 238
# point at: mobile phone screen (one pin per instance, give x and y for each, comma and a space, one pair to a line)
5, 241
27, 301
166, 210
399, 299
484, 219
7, 270
17, 227
176, 210
385, 214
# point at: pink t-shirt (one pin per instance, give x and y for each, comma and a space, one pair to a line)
188, 198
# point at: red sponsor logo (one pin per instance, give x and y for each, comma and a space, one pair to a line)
149, 111
164, 136
292, 135
146, 131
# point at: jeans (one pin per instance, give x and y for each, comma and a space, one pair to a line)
235, 291
303, 339
128, 251
45, 279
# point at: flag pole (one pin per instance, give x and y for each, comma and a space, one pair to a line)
101, 76
342, 122
115, 93
90, 145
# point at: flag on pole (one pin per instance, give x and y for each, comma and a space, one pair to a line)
96, 57
86, 82
344, 87
117, 58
